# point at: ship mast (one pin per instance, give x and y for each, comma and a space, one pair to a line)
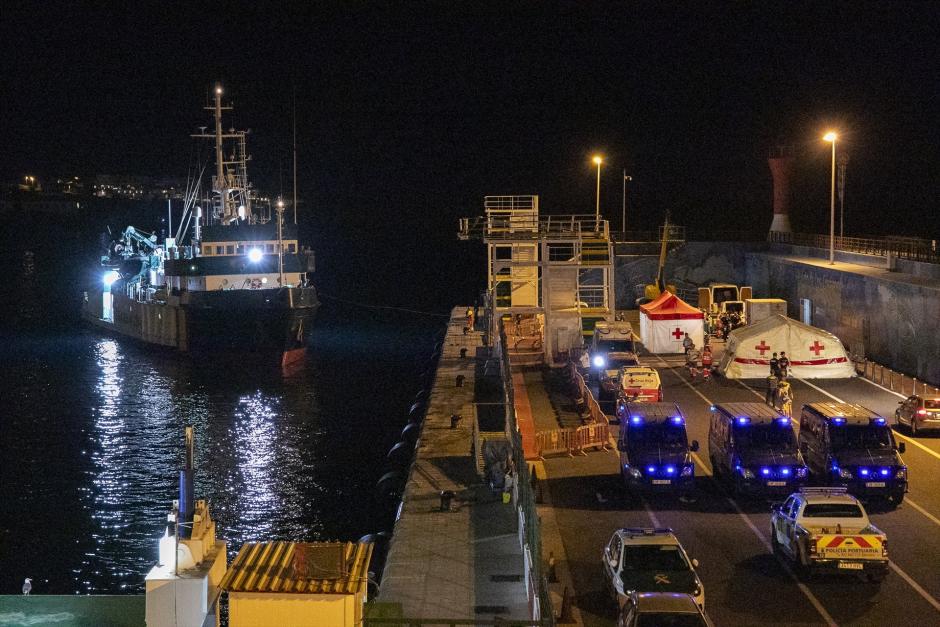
221, 186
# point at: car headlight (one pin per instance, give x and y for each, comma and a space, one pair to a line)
599, 361
901, 473
688, 470
747, 473
634, 472
802, 471
845, 473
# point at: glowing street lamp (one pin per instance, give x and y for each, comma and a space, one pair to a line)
597, 205
831, 138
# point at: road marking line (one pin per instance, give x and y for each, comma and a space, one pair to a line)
923, 511
926, 595
896, 432
877, 385
649, 512
763, 539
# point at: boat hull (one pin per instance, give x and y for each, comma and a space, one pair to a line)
265, 323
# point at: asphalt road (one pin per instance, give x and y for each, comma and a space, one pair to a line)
745, 584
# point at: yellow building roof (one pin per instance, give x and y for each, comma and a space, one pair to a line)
299, 568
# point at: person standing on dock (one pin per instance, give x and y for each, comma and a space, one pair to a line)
470, 318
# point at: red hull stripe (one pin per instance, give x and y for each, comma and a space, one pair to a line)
811, 362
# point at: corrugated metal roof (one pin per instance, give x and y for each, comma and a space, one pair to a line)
269, 567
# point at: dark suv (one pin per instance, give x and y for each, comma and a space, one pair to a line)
755, 449
654, 448
850, 445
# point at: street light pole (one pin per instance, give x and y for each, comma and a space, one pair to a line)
831, 137
597, 205
843, 162
623, 217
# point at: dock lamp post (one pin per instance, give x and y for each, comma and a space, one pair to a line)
597, 205
831, 138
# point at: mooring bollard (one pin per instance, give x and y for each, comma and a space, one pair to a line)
463, 353
455, 420
446, 497
459, 381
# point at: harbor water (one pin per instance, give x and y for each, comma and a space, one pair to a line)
91, 435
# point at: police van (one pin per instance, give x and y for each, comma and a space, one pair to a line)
850, 445
654, 448
755, 449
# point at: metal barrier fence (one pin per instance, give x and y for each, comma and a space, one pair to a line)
530, 533
894, 381
911, 248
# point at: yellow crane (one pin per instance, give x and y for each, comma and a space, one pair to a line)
655, 289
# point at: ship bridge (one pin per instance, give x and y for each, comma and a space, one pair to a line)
550, 277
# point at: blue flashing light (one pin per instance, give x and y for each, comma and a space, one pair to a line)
110, 277
838, 420
598, 361
885, 472
863, 471
765, 471
651, 469
743, 420
677, 420
636, 420
670, 470
878, 421
785, 471
784, 422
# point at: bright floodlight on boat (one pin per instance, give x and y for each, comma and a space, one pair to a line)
110, 277
254, 255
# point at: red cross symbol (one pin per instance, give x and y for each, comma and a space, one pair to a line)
677, 333
816, 347
762, 347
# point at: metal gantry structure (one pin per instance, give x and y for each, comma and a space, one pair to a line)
556, 269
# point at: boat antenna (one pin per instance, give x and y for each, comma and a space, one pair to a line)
294, 116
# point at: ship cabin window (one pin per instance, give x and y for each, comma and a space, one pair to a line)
292, 248
230, 250
207, 250
219, 250
269, 248
240, 249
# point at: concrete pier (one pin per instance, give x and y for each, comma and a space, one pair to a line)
467, 561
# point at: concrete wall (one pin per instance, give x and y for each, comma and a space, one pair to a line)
891, 322
889, 317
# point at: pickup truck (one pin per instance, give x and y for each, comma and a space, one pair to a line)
828, 529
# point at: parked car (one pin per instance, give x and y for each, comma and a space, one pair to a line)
662, 609
649, 560
828, 529
918, 413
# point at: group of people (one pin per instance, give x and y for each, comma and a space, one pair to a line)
697, 360
779, 393
728, 321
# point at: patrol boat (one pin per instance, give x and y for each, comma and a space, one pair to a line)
236, 281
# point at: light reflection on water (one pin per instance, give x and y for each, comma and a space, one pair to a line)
91, 447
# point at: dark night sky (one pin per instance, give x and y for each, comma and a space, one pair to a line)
408, 116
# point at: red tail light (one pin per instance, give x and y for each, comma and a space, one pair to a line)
921, 412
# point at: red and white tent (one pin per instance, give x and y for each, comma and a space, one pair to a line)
813, 353
665, 321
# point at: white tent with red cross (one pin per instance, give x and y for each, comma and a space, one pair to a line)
665, 321
813, 353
